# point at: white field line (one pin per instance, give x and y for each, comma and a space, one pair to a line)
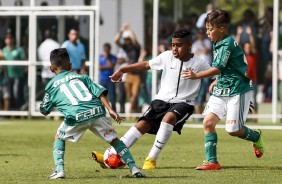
265, 127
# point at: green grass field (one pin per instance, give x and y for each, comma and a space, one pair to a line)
26, 157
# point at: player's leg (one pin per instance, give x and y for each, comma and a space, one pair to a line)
213, 112
64, 133
210, 139
237, 111
102, 127
178, 113
135, 132
161, 139
129, 138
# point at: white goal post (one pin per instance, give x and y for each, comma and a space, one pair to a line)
33, 12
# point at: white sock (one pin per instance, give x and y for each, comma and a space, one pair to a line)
131, 136
162, 137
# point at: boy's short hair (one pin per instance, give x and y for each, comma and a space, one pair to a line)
182, 33
218, 18
60, 57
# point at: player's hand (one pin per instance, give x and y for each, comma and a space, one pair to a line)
188, 74
115, 116
117, 76
211, 87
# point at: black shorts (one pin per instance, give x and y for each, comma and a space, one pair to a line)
157, 110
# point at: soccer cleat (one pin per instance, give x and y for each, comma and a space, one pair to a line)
57, 175
209, 166
99, 158
136, 173
149, 163
259, 145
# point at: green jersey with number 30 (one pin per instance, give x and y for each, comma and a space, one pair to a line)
229, 58
76, 96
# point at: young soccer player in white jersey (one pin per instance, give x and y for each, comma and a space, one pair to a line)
175, 100
83, 104
231, 91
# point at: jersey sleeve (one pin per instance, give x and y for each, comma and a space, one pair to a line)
96, 89
158, 63
46, 105
221, 57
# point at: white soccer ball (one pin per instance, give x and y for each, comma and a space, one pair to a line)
112, 159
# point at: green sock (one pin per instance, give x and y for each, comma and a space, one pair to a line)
250, 135
210, 147
58, 154
125, 154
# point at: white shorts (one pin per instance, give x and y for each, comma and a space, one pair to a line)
102, 127
234, 109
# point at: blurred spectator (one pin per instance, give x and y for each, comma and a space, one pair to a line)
3, 30
121, 61
16, 74
132, 49
202, 48
44, 23
250, 51
265, 29
44, 51
201, 20
107, 63
76, 51
4, 87
248, 22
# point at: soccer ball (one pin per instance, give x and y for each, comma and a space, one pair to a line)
112, 159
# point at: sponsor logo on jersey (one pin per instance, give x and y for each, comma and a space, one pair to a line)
90, 113
65, 79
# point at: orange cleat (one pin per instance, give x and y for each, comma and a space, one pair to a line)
209, 166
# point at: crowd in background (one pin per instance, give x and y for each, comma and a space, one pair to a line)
252, 34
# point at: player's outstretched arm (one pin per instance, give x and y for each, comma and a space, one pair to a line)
189, 74
112, 113
140, 66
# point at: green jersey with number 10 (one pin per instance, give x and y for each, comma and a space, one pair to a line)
229, 58
76, 96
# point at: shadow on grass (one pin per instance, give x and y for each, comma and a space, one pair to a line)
130, 177
253, 167
176, 167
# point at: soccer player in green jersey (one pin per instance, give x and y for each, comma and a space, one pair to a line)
83, 104
231, 91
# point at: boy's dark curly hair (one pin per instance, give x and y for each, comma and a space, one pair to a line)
182, 33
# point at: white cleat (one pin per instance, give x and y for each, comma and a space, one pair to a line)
136, 173
57, 175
